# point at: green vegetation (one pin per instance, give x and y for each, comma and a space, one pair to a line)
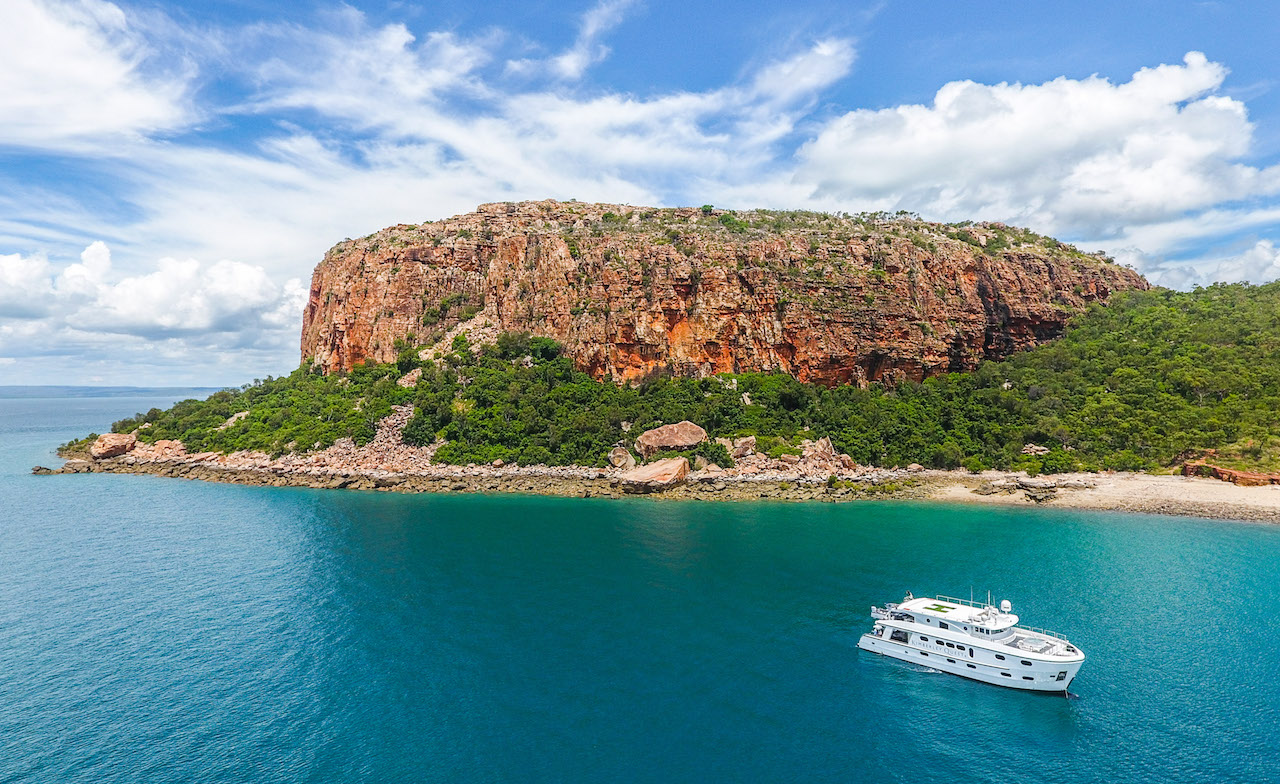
1149, 380
707, 450
302, 411
733, 223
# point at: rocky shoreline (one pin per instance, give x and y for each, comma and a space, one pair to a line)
1123, 492
572, 481
387, 463
818, 473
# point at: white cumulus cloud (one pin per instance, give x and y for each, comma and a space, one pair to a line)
1077, 157
1259, 263
175, 307
184, 297
25, 288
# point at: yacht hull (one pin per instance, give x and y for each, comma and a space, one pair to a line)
1037, 676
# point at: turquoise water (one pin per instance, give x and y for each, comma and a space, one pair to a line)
164, 630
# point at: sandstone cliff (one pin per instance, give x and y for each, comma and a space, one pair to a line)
634, 290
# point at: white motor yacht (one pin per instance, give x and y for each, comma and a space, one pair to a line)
974, 640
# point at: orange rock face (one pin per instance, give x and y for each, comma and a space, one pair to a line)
112, 445
631, 291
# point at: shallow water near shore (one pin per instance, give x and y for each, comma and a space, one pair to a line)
165, 630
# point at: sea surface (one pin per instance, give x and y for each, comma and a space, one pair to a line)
161, 630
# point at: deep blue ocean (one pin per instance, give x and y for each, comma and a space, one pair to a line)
161, 630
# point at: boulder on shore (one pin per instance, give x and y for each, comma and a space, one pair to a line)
112, 445
621, 457
656, 476
680, 436
820, 449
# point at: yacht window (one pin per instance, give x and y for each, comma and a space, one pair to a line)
952, 661
970, 653
1007, 675
1062, 676
922, 653
923, 638
1000, 657
1027, 678
1026, 663
943, 625
970, 666
898, 635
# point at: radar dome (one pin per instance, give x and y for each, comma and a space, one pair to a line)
1006, 606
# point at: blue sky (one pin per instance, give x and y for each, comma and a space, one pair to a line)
171, 172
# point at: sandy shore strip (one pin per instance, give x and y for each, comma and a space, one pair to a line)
1127, 492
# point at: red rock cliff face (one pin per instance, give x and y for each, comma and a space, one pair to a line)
630, 290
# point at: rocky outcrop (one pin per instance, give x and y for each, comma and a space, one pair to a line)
656, 476
621, 457
820, 457
160, 450
111, 445
1242, 478
677, 437
631, 291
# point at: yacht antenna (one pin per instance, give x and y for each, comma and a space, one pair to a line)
988, 598
970, 594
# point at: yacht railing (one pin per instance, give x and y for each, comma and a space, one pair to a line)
1043, 631
983, 605
966, 602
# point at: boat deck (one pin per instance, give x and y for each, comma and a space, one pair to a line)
1033, 642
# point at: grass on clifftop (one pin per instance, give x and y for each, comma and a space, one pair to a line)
1149, 380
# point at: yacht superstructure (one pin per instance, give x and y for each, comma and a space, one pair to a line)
973, 640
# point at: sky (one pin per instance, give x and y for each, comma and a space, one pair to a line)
170, 173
